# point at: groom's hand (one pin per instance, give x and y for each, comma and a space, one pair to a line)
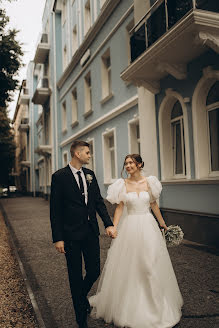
111, 231
59, 245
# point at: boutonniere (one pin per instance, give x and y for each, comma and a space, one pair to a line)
89, 178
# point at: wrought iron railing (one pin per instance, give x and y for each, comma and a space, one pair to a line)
163, 15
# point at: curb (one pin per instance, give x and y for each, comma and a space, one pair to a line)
36, 309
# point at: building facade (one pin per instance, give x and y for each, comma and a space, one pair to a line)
132, 77
174, 63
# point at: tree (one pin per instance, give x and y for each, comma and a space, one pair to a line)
10, 62
7, 148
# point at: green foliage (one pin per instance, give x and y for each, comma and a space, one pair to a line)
7, 148
10, 60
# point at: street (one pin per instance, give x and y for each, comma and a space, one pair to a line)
196, 268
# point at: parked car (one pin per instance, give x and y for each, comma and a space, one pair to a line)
12, 189
3, 192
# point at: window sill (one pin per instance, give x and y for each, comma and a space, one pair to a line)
75, 123
64, 131
104, 100
86, 114
191, 181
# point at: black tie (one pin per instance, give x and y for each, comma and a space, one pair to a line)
81, 183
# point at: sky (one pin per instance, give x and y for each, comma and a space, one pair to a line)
25, 16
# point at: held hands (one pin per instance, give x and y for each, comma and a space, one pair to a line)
59, 245
111, 232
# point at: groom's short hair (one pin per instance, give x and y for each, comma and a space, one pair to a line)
76, 144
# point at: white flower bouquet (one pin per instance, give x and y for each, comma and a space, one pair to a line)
173, 235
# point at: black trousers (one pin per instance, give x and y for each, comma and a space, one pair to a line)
80, 286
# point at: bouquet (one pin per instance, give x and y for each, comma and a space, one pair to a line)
173, 235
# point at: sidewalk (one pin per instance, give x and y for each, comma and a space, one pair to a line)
196, 268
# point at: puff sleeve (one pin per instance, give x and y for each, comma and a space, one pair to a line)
116, 192
155, 188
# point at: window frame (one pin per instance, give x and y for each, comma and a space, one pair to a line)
106, 76
173, 125
64, 117
88, 94
74, 112
87, 16
209, 108
134, 144
107, 168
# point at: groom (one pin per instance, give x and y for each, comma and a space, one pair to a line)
75, 199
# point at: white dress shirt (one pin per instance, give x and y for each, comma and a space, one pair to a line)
74, 171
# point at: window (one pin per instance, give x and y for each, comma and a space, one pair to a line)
65, 158
65, 59
178, 145
174, 137
87, 17
74, 40
74, 107
64, 117
128, 29
106, 75
64, 11
212, 103
110, 165
91, 164
88, 93
134, 137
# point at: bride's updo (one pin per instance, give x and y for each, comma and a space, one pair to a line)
136, 159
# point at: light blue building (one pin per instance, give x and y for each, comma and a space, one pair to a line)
129, 77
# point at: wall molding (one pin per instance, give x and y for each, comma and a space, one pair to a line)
89, 38
109, 36
103, 119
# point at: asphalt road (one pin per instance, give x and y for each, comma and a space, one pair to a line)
196, 267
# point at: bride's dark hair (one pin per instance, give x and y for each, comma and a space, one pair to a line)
136, 159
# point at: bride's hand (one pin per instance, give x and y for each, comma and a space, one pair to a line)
111, 231
163, 226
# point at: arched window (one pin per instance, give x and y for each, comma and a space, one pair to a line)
178, 143
212, 106
174, 137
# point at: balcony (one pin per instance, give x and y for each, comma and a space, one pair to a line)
44, 150
42, 92
170, 35
24, 125
24, 97
42, 50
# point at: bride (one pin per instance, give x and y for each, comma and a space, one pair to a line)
138, 287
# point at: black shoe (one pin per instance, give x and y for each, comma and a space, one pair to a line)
88, 306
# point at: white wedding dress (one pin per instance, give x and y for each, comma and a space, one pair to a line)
138, 287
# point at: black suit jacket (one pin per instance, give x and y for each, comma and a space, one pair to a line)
68, 211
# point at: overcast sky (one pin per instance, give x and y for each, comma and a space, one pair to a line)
25, 16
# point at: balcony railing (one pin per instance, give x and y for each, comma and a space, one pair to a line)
160, 18
42, 92
42, 50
